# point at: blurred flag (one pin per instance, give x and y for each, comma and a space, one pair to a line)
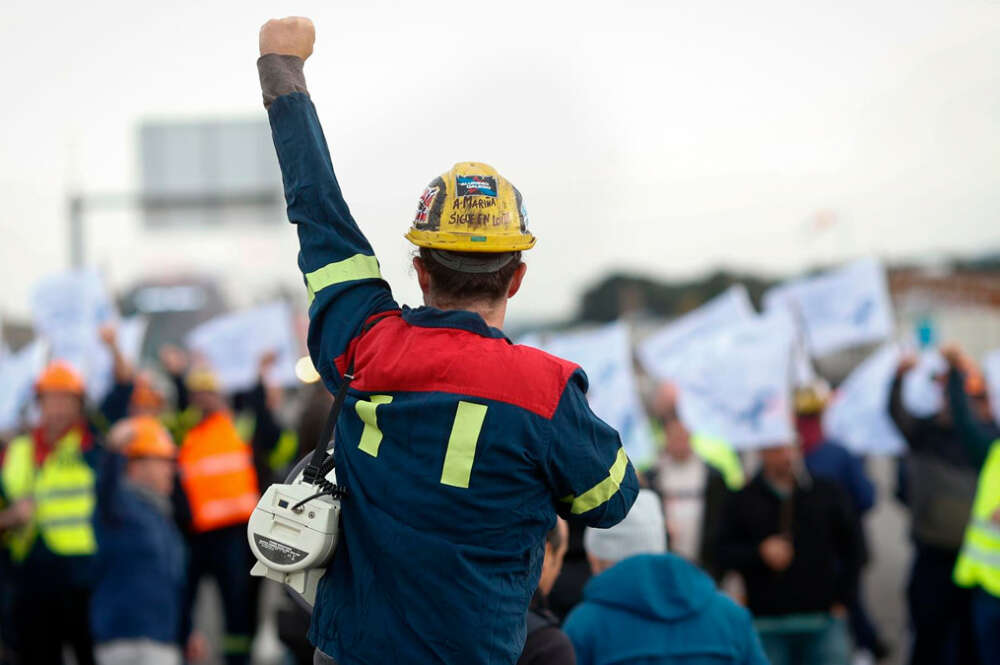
991, 369
663, 350
922, 395
605, 355
858, 417
735, 385
233, 345
68, 309
846, 307
18, 372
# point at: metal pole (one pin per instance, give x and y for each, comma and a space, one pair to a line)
76, 257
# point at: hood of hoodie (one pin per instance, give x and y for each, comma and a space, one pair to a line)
658, 586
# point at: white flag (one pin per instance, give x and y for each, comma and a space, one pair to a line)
605, 355
661, 351
233, 345
68, 309
858, 417
18, 372
922, 395
736, 384
839, 309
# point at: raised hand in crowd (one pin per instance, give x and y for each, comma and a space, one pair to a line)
906, 363
174, 359
122, 369
777, 552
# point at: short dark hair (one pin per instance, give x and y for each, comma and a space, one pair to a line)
457, 287
555, 537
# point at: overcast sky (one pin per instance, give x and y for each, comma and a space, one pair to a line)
662, 137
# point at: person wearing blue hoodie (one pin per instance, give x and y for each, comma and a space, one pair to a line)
648, 607
136, 605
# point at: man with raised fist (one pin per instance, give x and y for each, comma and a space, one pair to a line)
457, 447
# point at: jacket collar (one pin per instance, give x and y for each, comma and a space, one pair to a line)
431, 317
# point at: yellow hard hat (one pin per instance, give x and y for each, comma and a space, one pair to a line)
812, 398
471, 208
202, 379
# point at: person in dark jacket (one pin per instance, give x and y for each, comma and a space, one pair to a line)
648, 607
546, 643
137, 603
795, 541
940, 479
969, 404
825, 458
457, 447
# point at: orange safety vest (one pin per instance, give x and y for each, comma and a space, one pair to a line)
217, 473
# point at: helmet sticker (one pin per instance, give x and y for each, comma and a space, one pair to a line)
475, 185
424, 206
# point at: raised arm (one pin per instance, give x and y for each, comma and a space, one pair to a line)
341, 273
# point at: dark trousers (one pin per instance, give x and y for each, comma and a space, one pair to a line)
224, 555
863, 630
986, 618
46, 622
940, 612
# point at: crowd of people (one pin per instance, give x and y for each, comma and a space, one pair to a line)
477, 479
113, 515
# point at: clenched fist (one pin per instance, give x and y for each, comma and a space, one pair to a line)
294, 35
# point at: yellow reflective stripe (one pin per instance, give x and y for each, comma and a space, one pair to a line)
603, 490
461, 452
359, 266
371, 437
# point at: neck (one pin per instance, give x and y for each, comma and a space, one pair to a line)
783, 482
493, 313
52, 433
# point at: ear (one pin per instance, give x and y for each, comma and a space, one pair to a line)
423, 276
515, 281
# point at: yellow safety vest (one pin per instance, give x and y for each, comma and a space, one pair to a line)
63, 492
979, 561
720, 455
715, 452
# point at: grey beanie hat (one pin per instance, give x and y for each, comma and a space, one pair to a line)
641, 532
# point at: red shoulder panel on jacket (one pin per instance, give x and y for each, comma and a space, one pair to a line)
395, 356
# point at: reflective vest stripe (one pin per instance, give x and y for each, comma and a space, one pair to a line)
222, 508
63, 493
218, 464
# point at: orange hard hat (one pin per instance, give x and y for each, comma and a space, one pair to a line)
149, 439
60, 376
